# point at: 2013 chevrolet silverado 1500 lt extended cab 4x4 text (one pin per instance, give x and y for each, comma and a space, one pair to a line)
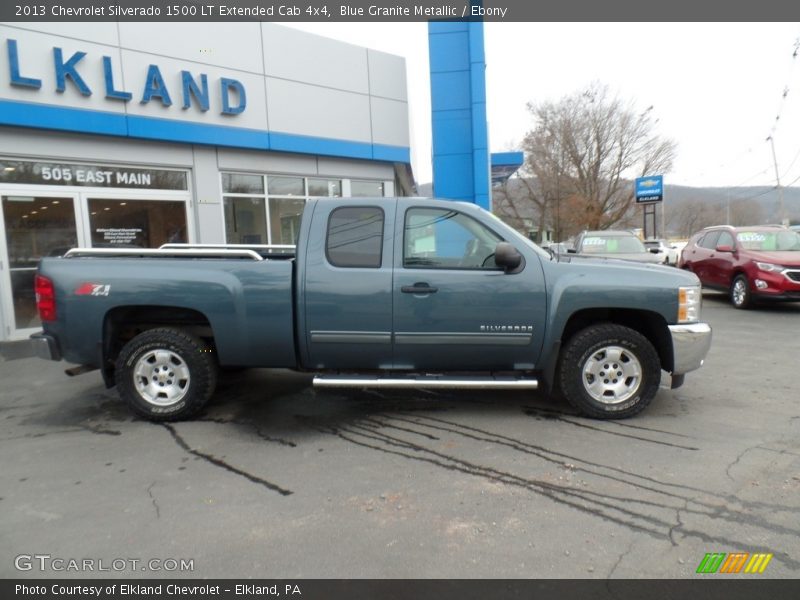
388, 292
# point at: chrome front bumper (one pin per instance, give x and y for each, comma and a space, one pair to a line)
690, 344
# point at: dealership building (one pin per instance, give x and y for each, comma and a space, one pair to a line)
139, 134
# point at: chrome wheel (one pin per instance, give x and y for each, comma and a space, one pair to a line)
739, 292
161, 377
612, 375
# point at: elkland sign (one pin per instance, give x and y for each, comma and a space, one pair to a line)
194, 90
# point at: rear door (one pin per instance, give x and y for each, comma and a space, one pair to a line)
454, 309
347, 286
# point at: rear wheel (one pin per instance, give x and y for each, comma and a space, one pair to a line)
741, 297
609, 371
166, 374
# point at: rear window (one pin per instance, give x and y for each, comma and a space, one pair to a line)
355, 237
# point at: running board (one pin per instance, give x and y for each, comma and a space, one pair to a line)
427, 382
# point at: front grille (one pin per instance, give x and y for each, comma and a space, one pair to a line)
793, 275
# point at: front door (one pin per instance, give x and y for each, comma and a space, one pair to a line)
454, 310
31, 227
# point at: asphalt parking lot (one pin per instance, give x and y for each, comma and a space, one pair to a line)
276, 479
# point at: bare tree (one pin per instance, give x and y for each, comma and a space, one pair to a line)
691, 216
522, 202
584, 152
511, 206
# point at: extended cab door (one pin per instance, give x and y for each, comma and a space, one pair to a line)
453, 308
345, 285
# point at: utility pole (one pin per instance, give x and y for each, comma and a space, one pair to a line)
728, 208
784, 220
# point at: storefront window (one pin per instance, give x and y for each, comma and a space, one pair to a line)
284, 216
366, 189
329, 188
236, 183
245, 221
256, 213
285, 186
136, 223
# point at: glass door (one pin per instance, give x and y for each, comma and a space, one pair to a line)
32, 227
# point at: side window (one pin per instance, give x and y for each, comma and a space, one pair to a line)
355, 237
709, 240
439, 238
725, 239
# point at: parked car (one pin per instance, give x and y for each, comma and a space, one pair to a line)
668, 253
750, 263
614, 244
382, 292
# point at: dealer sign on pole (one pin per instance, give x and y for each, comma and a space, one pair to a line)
649, 189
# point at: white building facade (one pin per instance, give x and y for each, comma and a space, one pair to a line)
139, 134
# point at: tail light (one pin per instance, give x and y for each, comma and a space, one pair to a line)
45, 298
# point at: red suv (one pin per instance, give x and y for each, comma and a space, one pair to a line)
751, 263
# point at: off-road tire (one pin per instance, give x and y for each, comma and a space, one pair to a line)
181, 353
585, 351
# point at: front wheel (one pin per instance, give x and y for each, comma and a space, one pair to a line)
740, 292
166, 374
609, 371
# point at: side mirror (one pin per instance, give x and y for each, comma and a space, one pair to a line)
506, 256
654, 250
724, 248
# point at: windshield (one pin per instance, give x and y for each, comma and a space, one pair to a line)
769, 241
612, 244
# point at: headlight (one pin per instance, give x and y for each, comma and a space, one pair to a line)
689, 301
768, 267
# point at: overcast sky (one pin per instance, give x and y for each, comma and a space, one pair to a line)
716, 88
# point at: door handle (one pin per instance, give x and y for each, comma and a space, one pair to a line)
420, 287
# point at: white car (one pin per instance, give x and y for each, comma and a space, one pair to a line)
668, 252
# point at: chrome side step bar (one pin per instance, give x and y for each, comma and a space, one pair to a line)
427, 382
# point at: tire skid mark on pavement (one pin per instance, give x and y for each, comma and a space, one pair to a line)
535, 412
218, 462
635, 513
558, 416
246, 423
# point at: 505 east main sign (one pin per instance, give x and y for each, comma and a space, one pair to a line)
194, 89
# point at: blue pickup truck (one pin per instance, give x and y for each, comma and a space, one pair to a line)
388, 292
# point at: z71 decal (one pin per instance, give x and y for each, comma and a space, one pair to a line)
93, 289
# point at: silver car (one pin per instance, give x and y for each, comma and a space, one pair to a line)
614, 244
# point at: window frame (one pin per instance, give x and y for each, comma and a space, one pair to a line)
382, 238
445, 268
713, 232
